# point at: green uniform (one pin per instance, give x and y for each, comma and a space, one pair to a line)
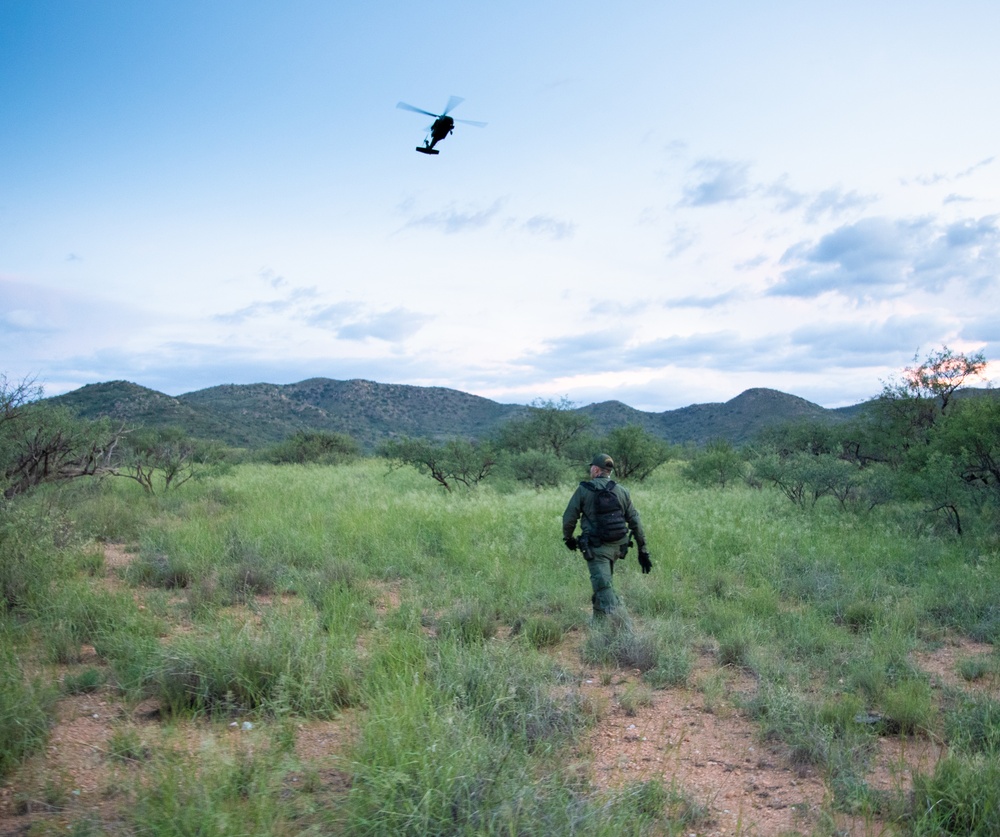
601, 557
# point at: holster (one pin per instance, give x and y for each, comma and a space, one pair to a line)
583, 542
625, 547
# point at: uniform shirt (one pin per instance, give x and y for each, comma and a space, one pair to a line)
582, 505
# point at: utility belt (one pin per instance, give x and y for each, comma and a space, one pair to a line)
587, 542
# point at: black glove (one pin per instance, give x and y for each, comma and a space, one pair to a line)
644, 561
571, 543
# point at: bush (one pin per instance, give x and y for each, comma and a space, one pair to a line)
315, 446
717, 464
537, 468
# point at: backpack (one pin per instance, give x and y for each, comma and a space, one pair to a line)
610, 525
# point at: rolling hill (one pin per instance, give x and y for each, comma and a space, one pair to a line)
253, 415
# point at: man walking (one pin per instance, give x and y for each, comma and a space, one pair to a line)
608, 518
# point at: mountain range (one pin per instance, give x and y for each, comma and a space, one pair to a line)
255, 415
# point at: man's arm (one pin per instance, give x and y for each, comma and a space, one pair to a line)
634, 522
572, 514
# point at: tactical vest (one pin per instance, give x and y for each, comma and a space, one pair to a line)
610, 525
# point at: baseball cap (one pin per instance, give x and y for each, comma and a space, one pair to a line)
602, 460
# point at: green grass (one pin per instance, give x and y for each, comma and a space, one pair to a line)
25, 709
295, 593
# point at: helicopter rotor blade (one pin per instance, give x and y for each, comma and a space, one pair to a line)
404, 106
453, 102
470, 122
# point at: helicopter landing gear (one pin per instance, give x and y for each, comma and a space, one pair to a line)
423, 149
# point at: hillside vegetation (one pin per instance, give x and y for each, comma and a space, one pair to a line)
254, 415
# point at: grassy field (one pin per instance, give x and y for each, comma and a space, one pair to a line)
285, 596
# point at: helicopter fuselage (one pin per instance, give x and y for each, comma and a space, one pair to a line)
442, 126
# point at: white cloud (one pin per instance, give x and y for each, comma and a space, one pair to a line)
347, 323
885, 258
717, 181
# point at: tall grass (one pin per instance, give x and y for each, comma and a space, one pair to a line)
299, 591
25, 709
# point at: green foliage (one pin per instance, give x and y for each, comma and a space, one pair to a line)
508, 694
469, 623
550, 427
972, 725
962, 796
89, 680
614, 640
26, 565
399, 600
42, 443
280, 667
963, 463
540, 631
938, 377
25, 708
536, 468
318, 447
157, 459
908, 707
241, 793
126, 745
448, 463
636, 452
804, 436
717, 464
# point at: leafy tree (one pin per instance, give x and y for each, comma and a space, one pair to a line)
550, 426
901, 419
806, 436
539, 469
939, 377
718, 463
456, 461
962, 468
154, 457
314, 446
971, 437
636, 452
43, 443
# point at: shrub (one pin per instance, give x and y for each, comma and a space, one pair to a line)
469, 622
89, 680
25, 708
316, 446
279, 666
614, 641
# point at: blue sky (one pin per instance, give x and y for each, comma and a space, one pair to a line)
671, 202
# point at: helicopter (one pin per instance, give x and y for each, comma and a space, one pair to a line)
443, 124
